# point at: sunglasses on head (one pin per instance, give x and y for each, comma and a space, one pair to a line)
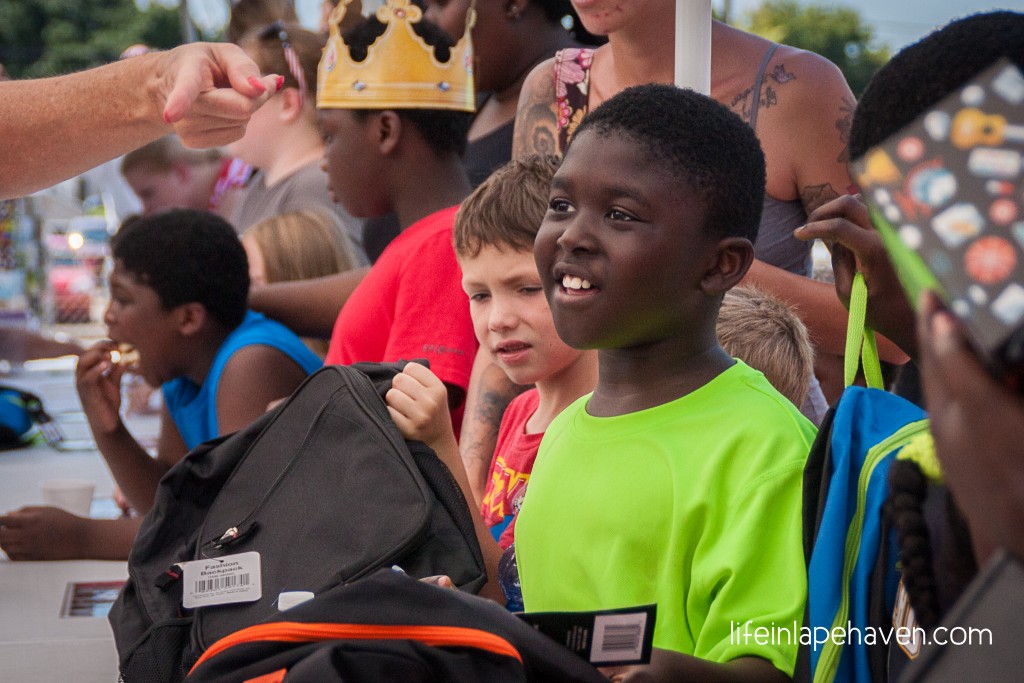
291, 57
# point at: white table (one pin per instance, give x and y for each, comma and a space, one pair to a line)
36, 643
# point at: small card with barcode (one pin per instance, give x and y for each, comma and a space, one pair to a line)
605, 637
222, 580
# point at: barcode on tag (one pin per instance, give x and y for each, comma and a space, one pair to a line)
220, 583
618, 637
221, 580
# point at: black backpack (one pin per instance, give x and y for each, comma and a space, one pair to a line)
390, 627
324, 487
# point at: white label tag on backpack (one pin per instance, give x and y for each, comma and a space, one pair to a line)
605, 637
222, 580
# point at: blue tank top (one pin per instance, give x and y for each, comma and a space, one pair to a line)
194, 408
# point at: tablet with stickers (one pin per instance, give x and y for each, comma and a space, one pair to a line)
947, 195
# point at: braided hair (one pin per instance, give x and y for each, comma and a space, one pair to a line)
935, 568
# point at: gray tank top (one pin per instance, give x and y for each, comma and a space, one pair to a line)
775, 243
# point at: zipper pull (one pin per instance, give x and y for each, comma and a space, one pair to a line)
170, 576
233, 535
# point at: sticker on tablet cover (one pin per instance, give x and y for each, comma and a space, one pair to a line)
990, 260
957, 224
947, 191
1009, 306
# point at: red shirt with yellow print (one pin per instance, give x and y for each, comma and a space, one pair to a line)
510, 468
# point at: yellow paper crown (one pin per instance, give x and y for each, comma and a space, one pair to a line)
400, 70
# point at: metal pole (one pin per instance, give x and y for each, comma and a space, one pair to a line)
188, 29
693, 45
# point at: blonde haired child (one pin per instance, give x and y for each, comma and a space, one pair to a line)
297, 246
766, 334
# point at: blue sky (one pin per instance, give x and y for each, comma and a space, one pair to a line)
898, 22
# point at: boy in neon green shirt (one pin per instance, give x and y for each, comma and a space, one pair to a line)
678, 481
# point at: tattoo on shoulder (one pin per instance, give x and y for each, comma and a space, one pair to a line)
536, 129
780, 75
741, 104
843, 126
814, 196
768, 96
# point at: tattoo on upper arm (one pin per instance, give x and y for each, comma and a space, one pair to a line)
814, 196
768, 96
780, 75
536, 129
843, 126
486, 419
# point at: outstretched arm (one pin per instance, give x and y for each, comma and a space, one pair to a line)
55, 128
489, 393
49, 533
307, 307
818, 306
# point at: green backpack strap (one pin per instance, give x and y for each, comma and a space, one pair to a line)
860, 340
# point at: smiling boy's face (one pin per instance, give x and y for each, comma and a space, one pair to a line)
622, 250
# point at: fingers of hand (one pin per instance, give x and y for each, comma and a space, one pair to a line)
422, 375
846, 206
441, 581
405, 426
202, 138
189, 74
217, 117
950, 369
97, 353
842, 231
239, 71
421, 385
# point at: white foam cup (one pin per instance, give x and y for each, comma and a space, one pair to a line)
73, 495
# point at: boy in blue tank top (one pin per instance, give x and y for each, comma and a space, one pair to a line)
678, 481
178, 294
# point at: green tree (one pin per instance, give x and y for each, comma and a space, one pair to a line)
837, 33
51, 37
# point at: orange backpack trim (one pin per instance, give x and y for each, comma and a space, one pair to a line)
297, 632
272, 677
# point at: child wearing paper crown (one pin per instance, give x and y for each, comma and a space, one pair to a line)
394, 102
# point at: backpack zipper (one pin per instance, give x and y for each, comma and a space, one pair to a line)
298, 632
360, 387
828, 661
244, 528
359, 392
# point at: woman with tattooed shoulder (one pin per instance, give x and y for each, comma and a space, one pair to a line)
797, 102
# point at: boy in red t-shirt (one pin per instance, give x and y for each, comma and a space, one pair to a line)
494, 233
